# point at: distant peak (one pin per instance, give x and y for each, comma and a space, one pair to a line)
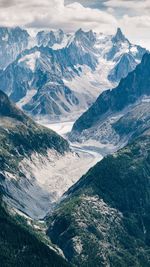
11, 28
89, 34
60, 31
80, 31
119, 36
92, 33
85, 32
119, 31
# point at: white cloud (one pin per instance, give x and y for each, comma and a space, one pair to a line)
54, 14
133, 17
137, 29
74, 16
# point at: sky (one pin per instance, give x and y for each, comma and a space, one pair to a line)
132, 16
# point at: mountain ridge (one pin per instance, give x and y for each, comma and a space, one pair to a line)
85, 64
104, 219
117, 102
21, 141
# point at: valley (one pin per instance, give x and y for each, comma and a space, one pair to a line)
48, 178
74, 149
89, 147
37, 171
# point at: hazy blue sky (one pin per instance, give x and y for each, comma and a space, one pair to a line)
132, 16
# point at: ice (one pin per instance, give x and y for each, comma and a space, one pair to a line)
91, 83
5, 38
30, 60
46, 179
61, 128
63, 44
27, 98
133, 49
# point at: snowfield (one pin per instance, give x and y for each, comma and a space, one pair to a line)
30, 60
62, 128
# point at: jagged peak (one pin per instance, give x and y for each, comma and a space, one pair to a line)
51, 33
119, 36
79, 31
9, 29
88, 34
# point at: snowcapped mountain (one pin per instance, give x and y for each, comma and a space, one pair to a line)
53, 39
12, 42
120, 114
64, 73
103, 218
35, 82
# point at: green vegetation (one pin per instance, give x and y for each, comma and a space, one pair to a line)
106, 220
19, 140
20, 246
20, 136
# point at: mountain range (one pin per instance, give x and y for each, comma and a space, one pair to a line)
58, 75
20, 137
12, 42
53, 212
23, 145
36, 163
104, 218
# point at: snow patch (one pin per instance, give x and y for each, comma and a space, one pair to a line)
91, 83
133, 49
30, 60
27, 98
62, 44
5, 38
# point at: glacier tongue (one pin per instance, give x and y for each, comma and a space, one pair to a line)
45, 179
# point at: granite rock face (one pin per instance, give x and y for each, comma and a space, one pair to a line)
12, 42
